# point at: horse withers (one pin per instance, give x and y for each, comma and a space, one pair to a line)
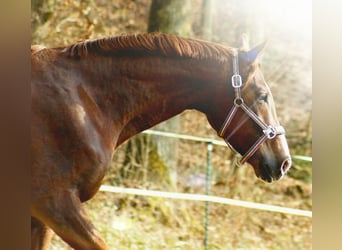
90, 97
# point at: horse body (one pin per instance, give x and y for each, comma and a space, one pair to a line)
90, 97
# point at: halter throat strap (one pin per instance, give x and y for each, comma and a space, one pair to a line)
269, 131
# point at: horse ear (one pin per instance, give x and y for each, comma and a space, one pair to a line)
244, 42
253, 53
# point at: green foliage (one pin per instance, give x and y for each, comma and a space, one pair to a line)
142, 163
171, 16
158, 172
301, 170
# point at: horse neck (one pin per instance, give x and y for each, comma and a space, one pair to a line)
141, 92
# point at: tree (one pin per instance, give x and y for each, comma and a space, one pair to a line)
208, 8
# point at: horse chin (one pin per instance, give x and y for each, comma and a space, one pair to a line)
266, 177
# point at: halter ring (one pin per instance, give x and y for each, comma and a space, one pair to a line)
236, 81
238, 101
270, 132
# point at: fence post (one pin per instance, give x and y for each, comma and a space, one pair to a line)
208, 183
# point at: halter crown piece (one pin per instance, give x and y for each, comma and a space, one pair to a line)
270, 132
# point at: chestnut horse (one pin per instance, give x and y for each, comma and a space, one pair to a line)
90, 97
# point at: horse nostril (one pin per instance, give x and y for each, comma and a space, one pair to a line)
285, 166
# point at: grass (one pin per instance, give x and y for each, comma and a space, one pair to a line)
169, 224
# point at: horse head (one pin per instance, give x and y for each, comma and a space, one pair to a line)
247, 120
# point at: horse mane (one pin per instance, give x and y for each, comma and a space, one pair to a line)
150, 44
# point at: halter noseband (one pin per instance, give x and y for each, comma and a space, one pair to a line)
270, 132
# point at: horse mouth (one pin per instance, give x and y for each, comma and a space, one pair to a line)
265, 175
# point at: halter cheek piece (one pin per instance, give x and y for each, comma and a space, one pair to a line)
270, 132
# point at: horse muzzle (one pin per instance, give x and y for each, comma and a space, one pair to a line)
270, 171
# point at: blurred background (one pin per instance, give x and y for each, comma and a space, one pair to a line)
151, 162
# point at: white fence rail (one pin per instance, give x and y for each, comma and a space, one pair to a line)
209, 198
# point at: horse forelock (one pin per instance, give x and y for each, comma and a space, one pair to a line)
150, 44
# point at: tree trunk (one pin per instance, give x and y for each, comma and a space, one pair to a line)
208, 8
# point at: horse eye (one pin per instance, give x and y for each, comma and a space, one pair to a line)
263, 97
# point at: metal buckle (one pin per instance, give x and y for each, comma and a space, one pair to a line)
238, 101
236, 81
270, 132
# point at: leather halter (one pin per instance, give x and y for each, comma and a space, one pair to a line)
270, 132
